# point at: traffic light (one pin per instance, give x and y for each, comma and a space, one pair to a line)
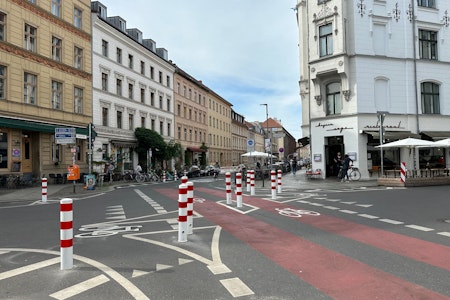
303, 141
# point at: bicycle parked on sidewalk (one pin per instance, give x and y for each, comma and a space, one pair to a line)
353, 173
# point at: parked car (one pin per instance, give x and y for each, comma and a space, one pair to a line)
210, 170
194, 171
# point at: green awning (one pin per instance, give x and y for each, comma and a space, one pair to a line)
37, 126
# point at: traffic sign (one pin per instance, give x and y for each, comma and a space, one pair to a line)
65, 135
250, 145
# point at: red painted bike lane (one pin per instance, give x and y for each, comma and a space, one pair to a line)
337, 275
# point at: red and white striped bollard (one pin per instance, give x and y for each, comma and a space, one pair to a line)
248, 180
252, 183
44, 189
403, 172
182, 212
273, 184
279, 176
228, 186
66, 233
190, 207
184, 179
239, 189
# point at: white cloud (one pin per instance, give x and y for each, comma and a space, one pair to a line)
244, 50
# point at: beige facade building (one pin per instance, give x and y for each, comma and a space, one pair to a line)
239, 135
45, 83
219, 135
191, 116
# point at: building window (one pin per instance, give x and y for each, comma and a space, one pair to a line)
160, 77
152, 98
119, 119
2, 82
119, 55
78, 58
161, 128
130, 122
430, 98
142, 95
119, 87
29, 88
168, 105
152, 72
178, 88
2, 26
142, 67
130, 61
105, 152
56, 94
326, 39
4, 150
179, 110
30, 38
153, 125
160, 102
104, 48
77, 17
56, 8
333, 92
427, 3
78, 100
428, 44
179, 133
105, 116
105, 82
130, 91
185, 134
56, 151
168, 129
143, 122
56, 48
168, 81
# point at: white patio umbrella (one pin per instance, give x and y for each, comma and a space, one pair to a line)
407, 143
410, 143
257, 154
442, 143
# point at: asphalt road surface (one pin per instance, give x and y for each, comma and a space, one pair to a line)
311, 242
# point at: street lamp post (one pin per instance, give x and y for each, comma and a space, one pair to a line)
381, 115
267, 138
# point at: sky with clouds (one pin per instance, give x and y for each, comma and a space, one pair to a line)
244, 50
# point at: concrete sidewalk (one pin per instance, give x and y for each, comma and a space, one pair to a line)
58, 191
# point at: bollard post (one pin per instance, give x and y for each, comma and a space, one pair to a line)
403, 172
239, 189
182, 213
252, 183
273, 184
175, 176
184, 179
248, 180
44, 189
279, 173
164, 176
66, 233
228, 186
190, 207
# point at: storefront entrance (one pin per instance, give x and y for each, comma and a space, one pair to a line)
333, 145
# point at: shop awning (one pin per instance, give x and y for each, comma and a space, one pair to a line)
124, 144
37, 126
392, 135
437, 135
195, 149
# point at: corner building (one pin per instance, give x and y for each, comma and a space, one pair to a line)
45, 83
364, 60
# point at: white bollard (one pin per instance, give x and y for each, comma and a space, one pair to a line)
239, 189
279, 173
66, 233
44, 189
164, 176
184, 179
403, 172
248, 181
190, 207
252, 183
228, 186
182, 212
273, 184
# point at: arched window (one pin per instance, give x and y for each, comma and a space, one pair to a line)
333, 92
430, 98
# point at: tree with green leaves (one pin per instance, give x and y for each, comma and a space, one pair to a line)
149, 139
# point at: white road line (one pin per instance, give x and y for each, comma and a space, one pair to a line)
29, 268
391, 221
348, 211
349, 202
80, 287
368, 216
316, 204
333, 200
421, 228
444, 233
331, 207
364, 205
304, 201
236, 287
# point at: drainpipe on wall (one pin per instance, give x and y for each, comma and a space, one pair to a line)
415, 66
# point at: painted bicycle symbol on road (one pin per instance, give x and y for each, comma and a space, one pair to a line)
105, 230
296, 213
